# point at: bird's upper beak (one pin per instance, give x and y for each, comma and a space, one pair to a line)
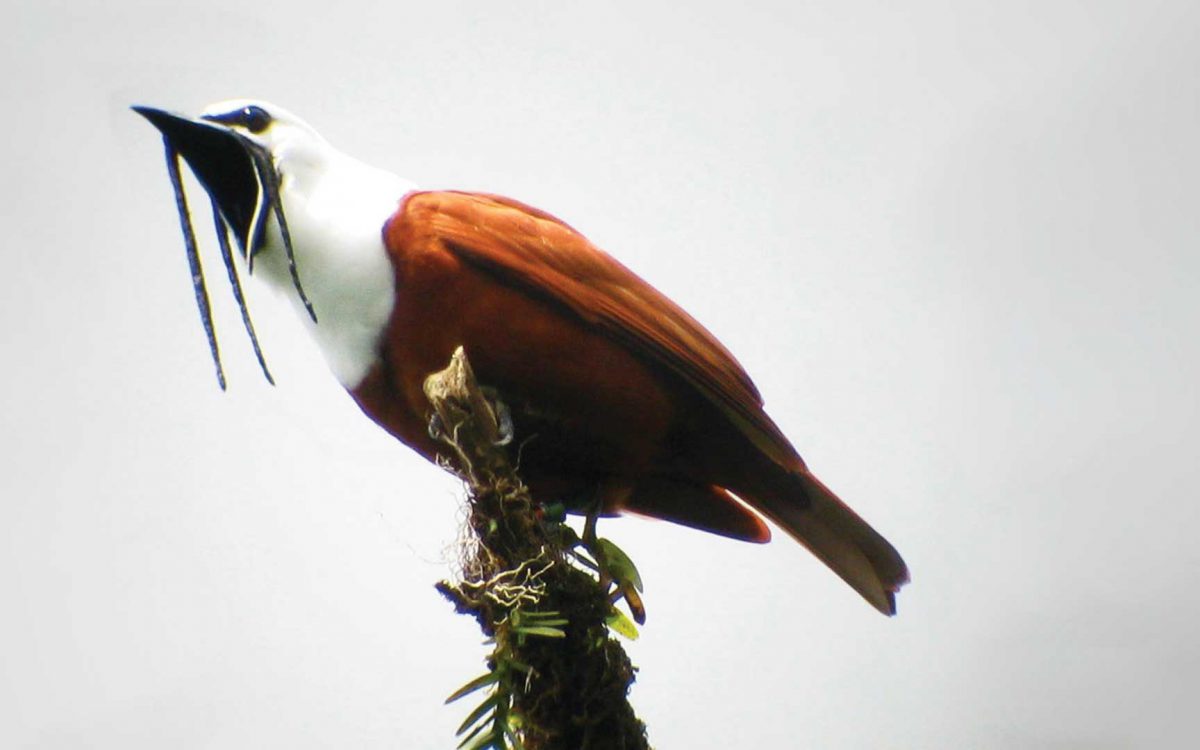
221, 160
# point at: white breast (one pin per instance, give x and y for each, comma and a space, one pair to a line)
335, 210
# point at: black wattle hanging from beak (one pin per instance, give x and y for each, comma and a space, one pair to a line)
232, 174
222, 163
244, 186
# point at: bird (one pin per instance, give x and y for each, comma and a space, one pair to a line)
619, 394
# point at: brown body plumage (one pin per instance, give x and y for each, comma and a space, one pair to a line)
617, 395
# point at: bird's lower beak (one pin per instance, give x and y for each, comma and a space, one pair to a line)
221, 161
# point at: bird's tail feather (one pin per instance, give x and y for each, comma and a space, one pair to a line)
808, 511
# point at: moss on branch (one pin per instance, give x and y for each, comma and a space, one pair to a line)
557, 679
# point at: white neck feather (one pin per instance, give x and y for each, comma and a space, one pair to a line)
335, 208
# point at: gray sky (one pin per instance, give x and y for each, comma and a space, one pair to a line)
954, 243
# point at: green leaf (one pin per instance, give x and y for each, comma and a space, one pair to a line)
539, 618
488, 739
473, 733
619, 623
619, 565
480, 711
545, 632
482, 680
521, 667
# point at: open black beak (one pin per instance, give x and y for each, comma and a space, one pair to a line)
223, 163
232, 173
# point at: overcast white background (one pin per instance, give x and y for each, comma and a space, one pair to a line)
955, 243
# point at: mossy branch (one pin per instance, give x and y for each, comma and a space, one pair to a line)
557, 679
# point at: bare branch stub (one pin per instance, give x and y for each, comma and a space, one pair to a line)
575, 695
503, 516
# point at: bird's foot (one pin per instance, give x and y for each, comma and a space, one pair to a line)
504, 420
501, 420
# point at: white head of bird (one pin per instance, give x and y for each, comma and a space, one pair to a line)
334, 207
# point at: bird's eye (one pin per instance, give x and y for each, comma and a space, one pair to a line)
252, 117
255, 119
